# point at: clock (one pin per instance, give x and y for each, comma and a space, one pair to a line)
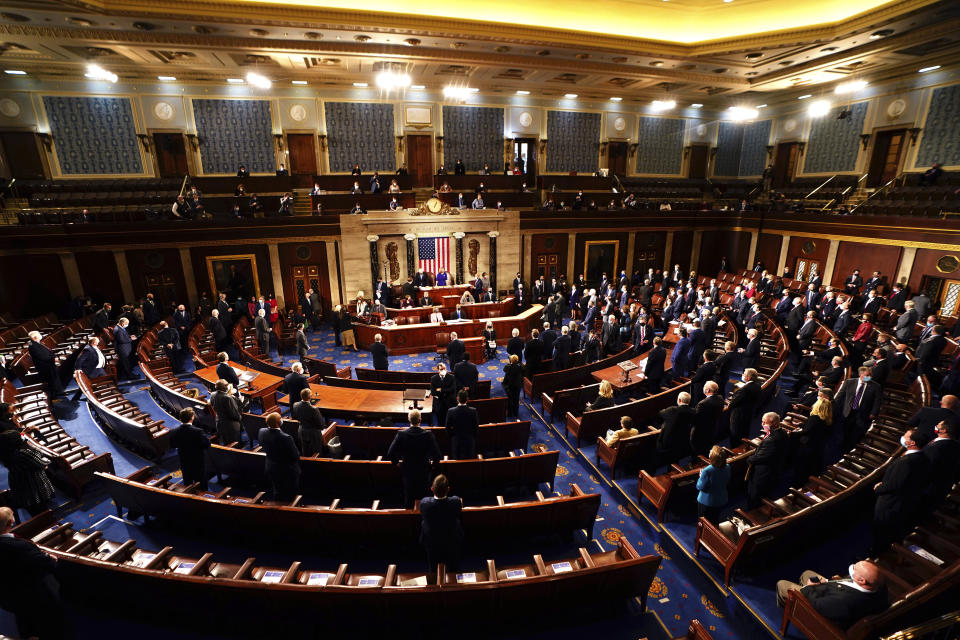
434, 205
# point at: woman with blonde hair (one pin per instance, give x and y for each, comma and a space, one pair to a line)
812, 439
490, 340
712, 486
604, 397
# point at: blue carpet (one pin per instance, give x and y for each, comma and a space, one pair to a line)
680, 592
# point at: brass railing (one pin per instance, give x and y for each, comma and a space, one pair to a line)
946, 627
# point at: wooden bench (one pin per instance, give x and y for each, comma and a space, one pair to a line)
122, 418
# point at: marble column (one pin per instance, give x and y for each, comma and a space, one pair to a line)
459, 236
784, 250
752, 252
186, 263
831, 262
72, 274
126, 283
411, 255
694, 264
631, 254
667, 252
493, 262
374, 261
906, 264
332, 270
276, 274
571, 257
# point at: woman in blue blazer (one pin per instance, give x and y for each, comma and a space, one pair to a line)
712, 485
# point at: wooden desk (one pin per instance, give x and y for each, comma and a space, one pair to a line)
614, 374
260, 386
363, 403
436, 293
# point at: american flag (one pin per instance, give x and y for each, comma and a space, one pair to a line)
434, 254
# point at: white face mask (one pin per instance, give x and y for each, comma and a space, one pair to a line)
850, 571
903, 441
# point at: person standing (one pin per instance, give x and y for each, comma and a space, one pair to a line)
766, 464
898, 494
30, 487
813, 439
512, 384
45, 362
263, 332
123, 347
311, 423
441, 530
712, 486
443, 389
462, 423
858, 401
91, 362
191, 443
414, 450
705, 417
228, 412
743, 403
303, 347
282, 465
380, 353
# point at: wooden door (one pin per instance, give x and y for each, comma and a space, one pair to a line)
419, 159
805, 266
617, 158
699, 157
304, 278
547, 265
164, 288
303, 154
526, 148
171, 154
23, 155
885, 161
785, 164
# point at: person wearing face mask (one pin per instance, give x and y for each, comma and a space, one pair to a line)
842, 599
899, 493
743, 405
812, 439
766, 463
443, 389
858, 401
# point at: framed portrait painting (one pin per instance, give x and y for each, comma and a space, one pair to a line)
599, 257
234, 275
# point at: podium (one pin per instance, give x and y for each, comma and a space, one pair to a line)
627, 366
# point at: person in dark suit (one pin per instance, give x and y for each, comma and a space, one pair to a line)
561, 350
944, 455
706, 371
725, 365
591, 347
45, 362
225, 371
743, 404
380, 354
881, 367
533, 354
263, 332
929, 350
91, 361
898, 494
653, 367
515, 344
242, 172
642, 337
182, 321
858, 402
927, 418
520, 298
294, 382
101, 319
673, 442
282, 465
455, 350
414, 450
610, 336
766, 463
679, 359
311, 423
170, 339
843, 600
462, 423
812, 439
123, 347
807, 331
705, 416
512, 384
227, 409
906, 322
441, 530
851, 286
750, 353
842, 323
31, 592
466, 375
443, 389
191, 443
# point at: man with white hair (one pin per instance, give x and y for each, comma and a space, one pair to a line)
295, 382
610, 335
263, 332
45, 362
561, 349
217, 330
123, 346
673, 442
455, 349
379, 352
766, 463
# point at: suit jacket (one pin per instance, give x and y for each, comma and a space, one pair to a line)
842, 323
904, 480
466, 375
421, 280
880, 372
281, 450
416, 449
440, 524
548, 337
610, 337
591, 350
226, 372
928, 351
896, 300
122, 342
302, 345
905, 323
262, 327
724, 364
795, 319
743, 403
455, 351
443, 389
929, 417
181, 320
872, 306
34, 573
379, 352
705, 417
462, 422
293, 384
89, 361
101, 320
533, 352
869, 399
561, 352
750, 353
191, 443
806, 333
216, 328
674, 438
307, 415
656, 358
706, 371
226, 407
767, 461
944, 456
843, 604
515, 347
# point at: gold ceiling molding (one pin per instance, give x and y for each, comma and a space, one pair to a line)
319, 17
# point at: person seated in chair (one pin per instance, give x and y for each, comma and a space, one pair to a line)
843, 600
394, 205
604, 398
282, 171
625, 431
358, 209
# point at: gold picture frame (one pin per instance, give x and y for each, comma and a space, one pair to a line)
596, 259
221, 270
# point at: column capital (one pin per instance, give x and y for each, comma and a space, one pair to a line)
459, 235
493, 234
372, 238
410, 237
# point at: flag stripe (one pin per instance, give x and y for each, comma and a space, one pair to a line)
434, 254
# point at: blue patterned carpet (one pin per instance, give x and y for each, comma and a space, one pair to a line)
681, 591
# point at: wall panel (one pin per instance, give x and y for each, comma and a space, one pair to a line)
235, 132
660, 149
941, 131
474, 135
360, 133
307, 253
150, 266
768, 250
682, 246
820, 251
835, 144
198, 256
580, 247
44, 290
98, 274
866, 257
573, 141
94, 135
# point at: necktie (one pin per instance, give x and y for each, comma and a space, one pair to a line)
856, 398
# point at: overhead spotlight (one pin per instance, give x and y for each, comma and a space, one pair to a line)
740, 114
616, 99
850, 87
805, 96
298, 82
458, 93
923, 70
390, 80
360, 85
15, 72
760, 106
96, 72
570, 96
818, 108
662, 105
235, 80
258, 81
418, 87
696, 105
166, 78
522, 92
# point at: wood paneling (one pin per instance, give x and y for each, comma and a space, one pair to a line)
768, 250
23, 154
714, 245
303, 153
171, 154
305, 253
198, 256
866, 257
551, 249
160, 272
583, 238
648, 251
32, 285
821, 248
420, 159
925, 264
98, 274
682, 246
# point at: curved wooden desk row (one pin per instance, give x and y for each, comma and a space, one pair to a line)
167, 389
922, 575
370, 442
90, 566
483, 386
379, 478
14, 339
840, 492
73, 464
412, 338
549, 381
381, 529
65, 341
476, 311
122, 418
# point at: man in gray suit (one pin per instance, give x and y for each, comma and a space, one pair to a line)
227, 408
263, 332
302, 346
905, 323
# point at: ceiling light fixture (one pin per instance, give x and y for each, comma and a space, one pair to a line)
418, 87
616, 99
15, 72
740, 114
96, 72
570, 96
300, 82
818, 108
760, 106
235, 80
522, 92
258, 81
662, 105
696, 105
166, 78
390, 80
458, 93
360, 85
805, 96
850, 87
923, 70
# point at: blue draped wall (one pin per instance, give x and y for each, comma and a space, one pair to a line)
235, 132
94, 135
474, 135
660, 147
573, 141
941, 131
834, 144
361, 133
